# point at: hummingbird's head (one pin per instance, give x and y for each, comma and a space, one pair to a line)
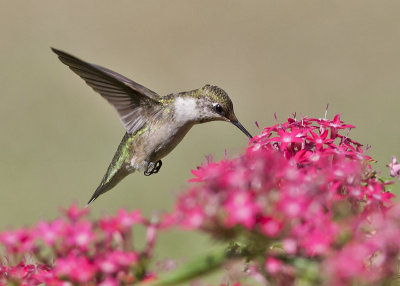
216, 105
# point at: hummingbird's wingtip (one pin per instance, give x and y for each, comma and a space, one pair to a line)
54, 50
60, 54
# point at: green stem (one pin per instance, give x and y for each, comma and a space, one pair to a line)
196, 267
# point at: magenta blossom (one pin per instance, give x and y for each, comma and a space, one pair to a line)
394, 168
71, 250
302, 205
300, 185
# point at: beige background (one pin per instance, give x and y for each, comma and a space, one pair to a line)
57, 136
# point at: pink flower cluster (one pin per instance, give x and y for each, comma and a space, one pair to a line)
72, 250
372, 254
302, 204
302, 191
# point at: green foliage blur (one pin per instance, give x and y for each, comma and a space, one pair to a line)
57, 136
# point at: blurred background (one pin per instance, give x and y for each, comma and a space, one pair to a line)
57, 136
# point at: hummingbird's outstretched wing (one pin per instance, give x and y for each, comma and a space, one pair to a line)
133, 102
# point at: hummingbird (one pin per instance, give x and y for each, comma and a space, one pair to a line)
154, 124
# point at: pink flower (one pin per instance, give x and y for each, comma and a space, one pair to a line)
18, 241
375, 193
22, 272
319, 240
321, 140
194, 218
289, 245
394, 168
81, 235
127, 220
273, 265
270, 226
286, 137
50, 231
78, 268
117, 260
74, 212
349, 263
122, 222
241, 209
292, 207
335, 125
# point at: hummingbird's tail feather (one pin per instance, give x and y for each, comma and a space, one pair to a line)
95, 195
105, 186
111, 178
101, 189
116, 171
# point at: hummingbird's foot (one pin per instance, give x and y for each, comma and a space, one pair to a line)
153, 168
157, 167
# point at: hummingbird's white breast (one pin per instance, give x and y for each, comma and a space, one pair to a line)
185, 109
163, 136
189, 109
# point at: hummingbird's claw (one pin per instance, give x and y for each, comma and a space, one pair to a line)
153, 168
157, 167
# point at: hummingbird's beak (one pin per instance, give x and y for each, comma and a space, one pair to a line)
240, 126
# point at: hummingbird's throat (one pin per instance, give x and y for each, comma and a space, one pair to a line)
186, 109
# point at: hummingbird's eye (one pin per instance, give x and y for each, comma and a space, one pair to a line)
218, 108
